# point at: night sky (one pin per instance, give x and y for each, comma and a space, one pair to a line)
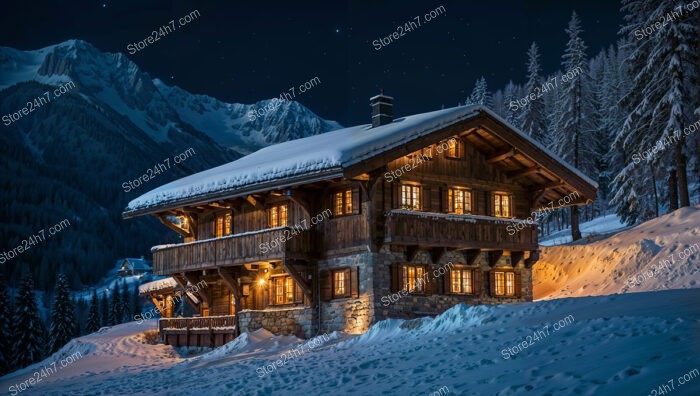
246, 52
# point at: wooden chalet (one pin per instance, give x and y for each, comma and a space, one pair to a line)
398, 218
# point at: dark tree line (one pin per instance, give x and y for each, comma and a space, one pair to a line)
27, 339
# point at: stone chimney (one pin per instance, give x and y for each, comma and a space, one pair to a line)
382, 109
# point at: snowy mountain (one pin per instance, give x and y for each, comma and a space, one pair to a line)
659, 254
155, 108
231, 125
614, 345
70, 157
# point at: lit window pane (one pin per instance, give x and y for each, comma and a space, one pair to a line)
348, 201
500, 281
510, 283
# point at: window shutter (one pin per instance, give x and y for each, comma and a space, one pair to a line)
347, 282
355, 282
395, 278
447, 282
432, 286
327, 285
492, 283
443, 200
396, 189
477, 276
425, 198
518, 284
356, 203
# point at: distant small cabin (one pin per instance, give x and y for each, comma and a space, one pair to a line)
133, 266
400, 218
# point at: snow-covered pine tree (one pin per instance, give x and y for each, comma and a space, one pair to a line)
104, 310
28, 329
510, 96
62, 316
93, 320
532, 118
136, 305
127, 305
116, 310
7, 338
480, 94
573, 125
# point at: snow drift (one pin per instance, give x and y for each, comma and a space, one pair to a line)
660, 254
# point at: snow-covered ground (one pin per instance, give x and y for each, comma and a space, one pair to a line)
614, 345
660, 254
603, 225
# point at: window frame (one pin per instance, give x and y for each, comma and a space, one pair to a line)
275, 211
458, 148
344, 198
419, 280
284, 286
467, 207
345, 272
499, 213
507, 286
461, 272
415, 193
223, 224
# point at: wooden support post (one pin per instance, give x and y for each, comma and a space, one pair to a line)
233, 285
157, 304
293, 271
515, 257
437, 253
494, 256
172, 226
194, 279
182, 282
470, 256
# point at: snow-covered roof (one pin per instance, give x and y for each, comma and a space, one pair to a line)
321, 156
160, 284
135, 264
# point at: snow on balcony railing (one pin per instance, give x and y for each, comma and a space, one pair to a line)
161, 247
468, 218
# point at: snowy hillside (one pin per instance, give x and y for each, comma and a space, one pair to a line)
660, 254
615, 345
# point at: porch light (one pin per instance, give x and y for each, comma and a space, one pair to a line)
261, 282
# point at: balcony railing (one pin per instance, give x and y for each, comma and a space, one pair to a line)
264, 245
404, 227
206, 331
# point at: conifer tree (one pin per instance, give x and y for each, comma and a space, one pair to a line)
93, 321
116, 310
29, 331
104, 310
137, 306
533, 119
7, 338
480, 94
63, 327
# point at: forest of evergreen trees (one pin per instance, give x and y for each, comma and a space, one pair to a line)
27, 338
626, 116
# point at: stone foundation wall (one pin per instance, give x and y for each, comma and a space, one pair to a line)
351, 315
388, 304
291, 321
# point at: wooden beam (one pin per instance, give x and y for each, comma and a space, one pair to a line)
515, 257
498, 157
172, 226
293, 271
513, 175
411, 252
182, 282
157, 304
233, 285
298, 198
437, 253
202, 294
494, 256
470, 256
251, 200
534, 257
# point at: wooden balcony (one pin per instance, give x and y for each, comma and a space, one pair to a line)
405, 227
264, 245
207, 331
